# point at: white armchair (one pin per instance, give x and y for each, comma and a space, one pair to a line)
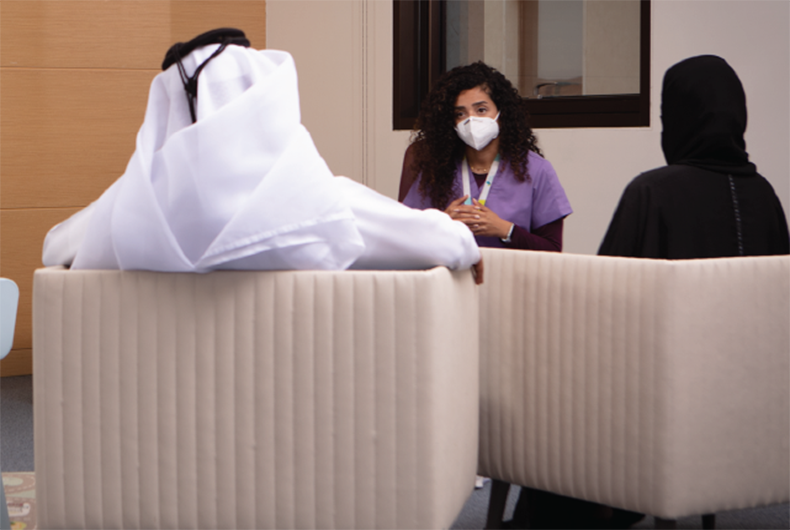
654, 386
285, 399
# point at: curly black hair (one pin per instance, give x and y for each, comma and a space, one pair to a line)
437, 147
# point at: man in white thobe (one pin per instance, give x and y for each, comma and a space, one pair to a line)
243, 187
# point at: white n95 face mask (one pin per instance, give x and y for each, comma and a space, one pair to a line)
478, 132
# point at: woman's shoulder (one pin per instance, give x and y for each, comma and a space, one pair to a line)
533, 159
537, 165
532, 155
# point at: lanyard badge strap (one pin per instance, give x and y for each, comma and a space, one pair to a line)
465, 176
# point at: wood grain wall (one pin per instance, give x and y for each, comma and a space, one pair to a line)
74, 78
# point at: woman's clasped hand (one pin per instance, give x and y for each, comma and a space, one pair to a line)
481, 221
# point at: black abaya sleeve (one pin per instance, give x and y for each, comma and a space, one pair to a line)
635, 227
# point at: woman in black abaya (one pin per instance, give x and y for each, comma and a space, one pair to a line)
709, 201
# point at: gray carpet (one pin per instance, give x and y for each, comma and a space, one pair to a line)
16, 454
16, 423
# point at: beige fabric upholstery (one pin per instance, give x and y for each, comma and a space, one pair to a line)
254, 399
650, 385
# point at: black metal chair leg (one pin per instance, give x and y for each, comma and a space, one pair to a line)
666, 523
496, 504
709, 521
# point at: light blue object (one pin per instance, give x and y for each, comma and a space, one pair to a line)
5, 522
9, 299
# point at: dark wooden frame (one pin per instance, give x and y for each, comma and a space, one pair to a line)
419, 60
418, 56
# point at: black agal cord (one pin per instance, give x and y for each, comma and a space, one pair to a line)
221, 36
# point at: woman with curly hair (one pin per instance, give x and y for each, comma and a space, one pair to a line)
474, 156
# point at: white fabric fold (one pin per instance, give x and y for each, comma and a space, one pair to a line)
242, 188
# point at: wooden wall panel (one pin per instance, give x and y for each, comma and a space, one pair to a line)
116, 33
67, 134
84, 33
18, 362
74, 80
189, 19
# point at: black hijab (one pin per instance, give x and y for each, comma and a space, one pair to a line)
703, 111
709, 201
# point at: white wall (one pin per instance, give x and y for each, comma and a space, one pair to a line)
343, 55
343, 52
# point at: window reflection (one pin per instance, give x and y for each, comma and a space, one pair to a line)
549, 48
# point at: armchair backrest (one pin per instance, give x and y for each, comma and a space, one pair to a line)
652, 385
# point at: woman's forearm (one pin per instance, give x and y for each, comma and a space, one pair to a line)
546, 237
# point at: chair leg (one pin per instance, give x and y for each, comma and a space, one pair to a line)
666, 523
496, 504
709, 521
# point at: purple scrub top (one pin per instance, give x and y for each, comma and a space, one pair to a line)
530, 204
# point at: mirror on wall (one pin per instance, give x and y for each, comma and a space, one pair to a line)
549, 48
577, 63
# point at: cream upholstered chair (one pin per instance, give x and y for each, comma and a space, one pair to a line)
649, 385
254, 399
9, 300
